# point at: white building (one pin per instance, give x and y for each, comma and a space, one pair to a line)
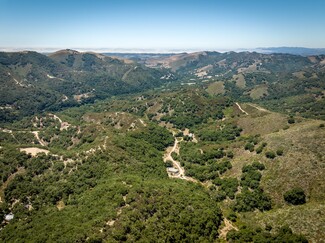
172, 170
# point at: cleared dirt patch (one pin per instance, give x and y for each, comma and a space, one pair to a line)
228, 226
60, 205
79, 98
34, 151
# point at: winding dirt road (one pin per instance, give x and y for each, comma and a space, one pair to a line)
259, 108
41, 142
239, 107
228, 226
57, 118
176, 164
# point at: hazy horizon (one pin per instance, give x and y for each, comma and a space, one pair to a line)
161, 26
146, 51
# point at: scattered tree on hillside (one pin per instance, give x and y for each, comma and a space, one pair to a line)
295, 196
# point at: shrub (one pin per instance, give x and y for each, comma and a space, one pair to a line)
259, 149
179, 134
247, 168
151, 116
295, 196
229, 187
232, 216
222, 167
220, 196
268, 227
253, 167
251, 200
291, 120
251, 179
270, 154
217, 181
249, 146
169, 163
174, 155
254, 139
258, 166
279, 152
247, 234
230, 154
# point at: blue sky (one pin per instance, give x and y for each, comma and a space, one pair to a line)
162, 25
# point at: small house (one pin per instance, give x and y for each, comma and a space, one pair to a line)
172, 170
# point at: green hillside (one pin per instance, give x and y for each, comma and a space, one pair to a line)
104, 177
32, 82
230, 160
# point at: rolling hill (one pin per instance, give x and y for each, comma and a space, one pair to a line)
32, 82
276, 80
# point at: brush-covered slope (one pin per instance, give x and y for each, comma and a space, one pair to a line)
219, 63
32, 82
103, 179
98, 172
298, 163
280, 81
131, 73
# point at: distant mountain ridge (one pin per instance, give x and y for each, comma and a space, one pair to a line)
32, 82
252, 76
146, 53
234, 62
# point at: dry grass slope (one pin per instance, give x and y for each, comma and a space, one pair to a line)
258, 92
301, 165
261, 121
303, 162
216, 88
305, 219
